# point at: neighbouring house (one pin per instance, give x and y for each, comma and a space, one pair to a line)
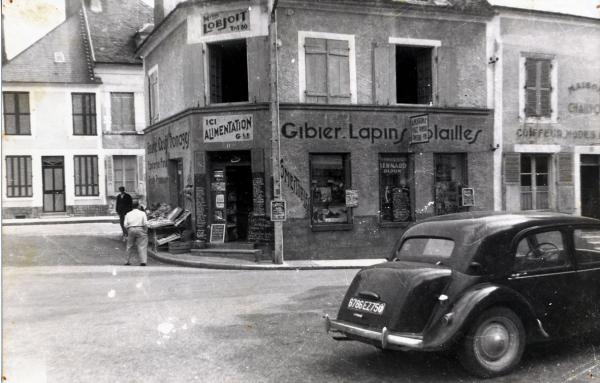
74, 113
373, 114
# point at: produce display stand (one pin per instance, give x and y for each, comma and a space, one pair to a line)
161, 231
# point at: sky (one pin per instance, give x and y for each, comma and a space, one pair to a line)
26, 21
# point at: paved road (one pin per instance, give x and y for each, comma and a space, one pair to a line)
91, 322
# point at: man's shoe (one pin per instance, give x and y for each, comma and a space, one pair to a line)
128, 264
142, 264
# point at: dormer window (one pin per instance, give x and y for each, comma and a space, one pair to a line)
59, 57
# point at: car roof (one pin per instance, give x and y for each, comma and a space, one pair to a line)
470, 230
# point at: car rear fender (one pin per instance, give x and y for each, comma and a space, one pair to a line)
454, 322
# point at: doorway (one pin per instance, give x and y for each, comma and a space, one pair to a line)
53, 172
590, 185
231, 192
176, 182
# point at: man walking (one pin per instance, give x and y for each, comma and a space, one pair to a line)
136, 224
124, 206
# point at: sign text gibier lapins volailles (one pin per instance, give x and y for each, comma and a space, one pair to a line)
375, 134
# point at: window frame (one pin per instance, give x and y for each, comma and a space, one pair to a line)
85, 178
302, 36
331, 226
434, 45
9, 159
553, 88
120, 128
584, 265
86, 117
568, 265
533, 174
465, 175
116, 182
17, 113
410, 185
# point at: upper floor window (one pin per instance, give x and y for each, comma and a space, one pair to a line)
84, 114
153, 95
18, 176
534, 181
16, 113
228, 71
413, 75
538, 79
327, 69
122, 112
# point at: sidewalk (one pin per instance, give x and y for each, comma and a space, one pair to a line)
224, 263
51, 220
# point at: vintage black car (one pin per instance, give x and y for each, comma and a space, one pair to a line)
481, 284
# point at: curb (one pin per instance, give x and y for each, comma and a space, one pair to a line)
57, 222
227, 266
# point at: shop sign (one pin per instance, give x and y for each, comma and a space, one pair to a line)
217, 233
393, 165
351, 198
468, 196
224, 22
419, 129
220, 201
228, 128
278, 210
569, 134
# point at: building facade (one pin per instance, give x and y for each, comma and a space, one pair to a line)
549, 84
74, 114
374, 114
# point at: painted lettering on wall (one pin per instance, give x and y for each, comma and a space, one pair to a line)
228, 128
584, 85
375, 134
168, 141
291, 181
225, 22
584, 107
579, 134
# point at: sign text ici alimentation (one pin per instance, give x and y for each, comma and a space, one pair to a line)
375, 134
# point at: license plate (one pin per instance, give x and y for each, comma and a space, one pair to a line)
366, 306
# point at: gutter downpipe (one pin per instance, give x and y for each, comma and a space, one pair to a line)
275, 134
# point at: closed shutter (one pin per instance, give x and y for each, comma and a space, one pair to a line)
384, 85
538, 88
141, 177
110, 183
565, 168
153, 97
338, 71
316, 70
512, 168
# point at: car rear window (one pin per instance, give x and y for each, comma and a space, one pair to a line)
425, 249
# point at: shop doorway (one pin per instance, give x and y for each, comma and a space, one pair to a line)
231, 192
53, 178
590, 185
176, 182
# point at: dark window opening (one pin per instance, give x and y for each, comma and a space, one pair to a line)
413, 75
228, 72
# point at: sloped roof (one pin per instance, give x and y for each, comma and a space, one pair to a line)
37, 62
112, 30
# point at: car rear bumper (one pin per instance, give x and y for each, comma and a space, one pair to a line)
341, 330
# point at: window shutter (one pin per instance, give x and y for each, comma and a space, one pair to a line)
538, 88
424, 77
110, 184
382, 83
530, 88
338, 70
115, 113
512, 168
316, 70
565, 168
545, 88
127, 112
141, 178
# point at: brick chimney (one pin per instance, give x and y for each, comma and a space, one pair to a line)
159, 11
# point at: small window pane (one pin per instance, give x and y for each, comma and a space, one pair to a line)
77, 103
541, 180
525, 164
24, 127
9, 103
10, 124
587, 246
395, 188
540, 251
423, 248
24, 102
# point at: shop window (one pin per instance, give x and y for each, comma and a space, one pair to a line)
329, 179
125, 172
450, 178
587, 246
18, 176
16, 113
534, 182
153, 95
413, 75
228, 71
86, 176
395, 194
84, 114
122, 112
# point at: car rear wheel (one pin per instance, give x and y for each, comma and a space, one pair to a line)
494, 344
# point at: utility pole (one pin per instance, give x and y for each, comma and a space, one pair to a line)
275, 136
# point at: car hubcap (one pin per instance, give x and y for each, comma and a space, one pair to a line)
497, 343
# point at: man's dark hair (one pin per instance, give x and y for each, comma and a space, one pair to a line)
135, 204
121, 189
